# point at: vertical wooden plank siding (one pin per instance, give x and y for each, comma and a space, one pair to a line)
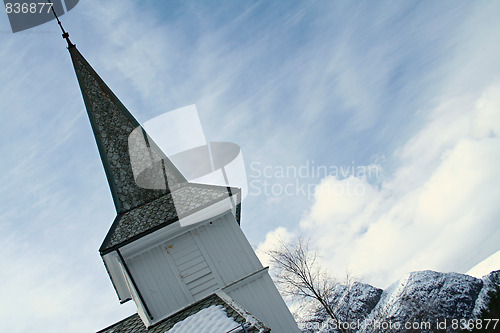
228, 249
261, 298
192, 265
157, 282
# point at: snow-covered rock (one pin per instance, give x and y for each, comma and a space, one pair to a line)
423, 300
490, 264
350, 303
489, 282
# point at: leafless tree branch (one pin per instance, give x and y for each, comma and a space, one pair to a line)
299, 276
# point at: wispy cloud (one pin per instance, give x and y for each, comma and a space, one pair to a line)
392, 84
437, 212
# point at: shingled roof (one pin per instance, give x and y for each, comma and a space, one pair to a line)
133, 324
148, 191
121, 142
183, 200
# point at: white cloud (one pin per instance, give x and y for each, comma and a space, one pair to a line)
273, 239
439, 211
268, 77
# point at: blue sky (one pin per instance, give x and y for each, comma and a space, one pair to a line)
412, 88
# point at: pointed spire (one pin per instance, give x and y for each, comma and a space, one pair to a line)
148, 191
137, 170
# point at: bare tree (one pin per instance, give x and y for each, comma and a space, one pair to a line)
299, 276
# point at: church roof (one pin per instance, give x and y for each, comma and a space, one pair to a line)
183, 200
137, 170
148, 190
133, 324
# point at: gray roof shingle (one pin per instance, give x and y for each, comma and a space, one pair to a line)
123, 145
184, 200
133, 324
148, 190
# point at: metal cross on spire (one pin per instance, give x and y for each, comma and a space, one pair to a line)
65, 34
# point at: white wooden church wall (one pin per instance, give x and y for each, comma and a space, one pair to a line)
157, 283
195, 267
259, 296
118, 276
191, 265
228, 248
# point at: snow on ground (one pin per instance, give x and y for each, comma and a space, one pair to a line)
213, 319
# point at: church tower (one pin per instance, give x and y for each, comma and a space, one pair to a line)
175, 247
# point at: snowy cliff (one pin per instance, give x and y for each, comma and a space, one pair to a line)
426, 301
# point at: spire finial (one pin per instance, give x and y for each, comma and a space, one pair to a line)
65, 34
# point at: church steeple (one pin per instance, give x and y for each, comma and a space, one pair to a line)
175, 247
149, 192
137, 170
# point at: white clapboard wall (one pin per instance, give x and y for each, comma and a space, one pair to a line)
191, 265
